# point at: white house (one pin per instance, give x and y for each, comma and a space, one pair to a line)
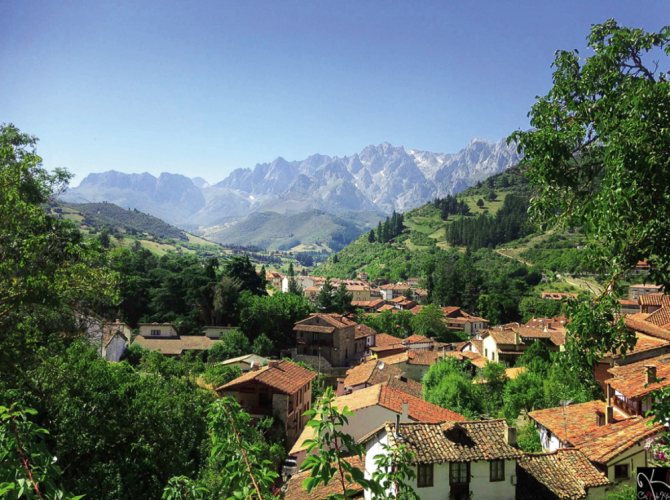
303, 282
455, 460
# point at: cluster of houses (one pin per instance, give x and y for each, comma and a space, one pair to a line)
589, 448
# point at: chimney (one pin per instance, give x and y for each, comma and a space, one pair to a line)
600, 418
117, 321
405, 411
517, 338
651, 374
397, 426
510, 436
273, 363
340, 387
609, 416
254, 366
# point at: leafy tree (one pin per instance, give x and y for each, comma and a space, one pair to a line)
226, 295
232, 345
491, 196
219, 375
262, 346
480, 203
103, 238
398, 324
242, 269
429, 322
529, 439
598, 147
27, 468
525, 392
325, 301
536, 307
274, 315
342, 299
448, 384
496, 378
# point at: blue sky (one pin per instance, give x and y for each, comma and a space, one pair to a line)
203, 87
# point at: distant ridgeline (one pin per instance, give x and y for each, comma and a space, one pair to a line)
100, 215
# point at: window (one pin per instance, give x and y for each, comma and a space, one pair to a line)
315, 337
424, 475
155, 332
621, 471
486, 353
497, 470
459, 473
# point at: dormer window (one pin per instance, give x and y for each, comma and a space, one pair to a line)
155, 332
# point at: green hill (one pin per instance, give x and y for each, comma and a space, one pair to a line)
285, 232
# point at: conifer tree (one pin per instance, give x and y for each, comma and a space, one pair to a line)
371, 236
324, 301
342, 299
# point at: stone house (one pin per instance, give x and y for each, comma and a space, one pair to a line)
331, 336
506, 345
365, 339
455, 460
280, 389
636, 291
109, 339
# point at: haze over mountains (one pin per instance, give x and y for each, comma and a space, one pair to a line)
380, 178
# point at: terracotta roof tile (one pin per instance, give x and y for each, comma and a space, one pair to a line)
286, 377
389, 398
387, 341
295, 491
659, 317
434, 443
606, 442
631, 380
652, 299
417, 339
406, 385
566, 472
314, 328
363, 331
648, 328
386, 307
580, 418
371, 372
644, 343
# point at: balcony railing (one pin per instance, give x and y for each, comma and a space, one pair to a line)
625, 406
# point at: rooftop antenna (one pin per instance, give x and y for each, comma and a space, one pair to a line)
564, 403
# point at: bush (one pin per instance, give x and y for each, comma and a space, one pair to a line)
219, 375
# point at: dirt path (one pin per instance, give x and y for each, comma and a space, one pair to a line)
515, 258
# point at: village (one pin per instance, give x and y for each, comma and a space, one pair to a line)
588, 448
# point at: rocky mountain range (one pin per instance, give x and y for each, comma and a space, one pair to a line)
380, 178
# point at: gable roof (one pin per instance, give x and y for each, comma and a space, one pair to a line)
648, 328
660, 317
285, 377
363, 373
334, 320
417, 339
631, 380
389, 398
176, 345
604, 443
295, 491
248, 358
566, 472
363, 331
436, 443
386, 341
406, 385
644, 343
580, 419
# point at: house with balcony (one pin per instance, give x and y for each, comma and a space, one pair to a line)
331, 336
455, 460
281, 389
458, 320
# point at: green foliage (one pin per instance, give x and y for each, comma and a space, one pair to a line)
398, 324
449, 384
342, 299
525, 392
27, 469
262, 346
233, 344
429, 322
219, 375
623, 492
241, 269
393, 472
275, 315
509, 223
325, 301
536, 307
181, 487
597, 155
103, 238
529, 439
492, 390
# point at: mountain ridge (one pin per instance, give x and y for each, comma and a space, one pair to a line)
379, 178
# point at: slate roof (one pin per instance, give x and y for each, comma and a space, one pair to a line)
566, 472
295, 491
286, 377
604, 443
176, 345
580, 418
630, 380
436, 443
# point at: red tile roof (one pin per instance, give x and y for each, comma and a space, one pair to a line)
631, 380
286, 377
436, 443
363, 331
604, 443
580, 419
566, 472
314, 328
660, 317
648, 328
384, 340
295, 490
417, 339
